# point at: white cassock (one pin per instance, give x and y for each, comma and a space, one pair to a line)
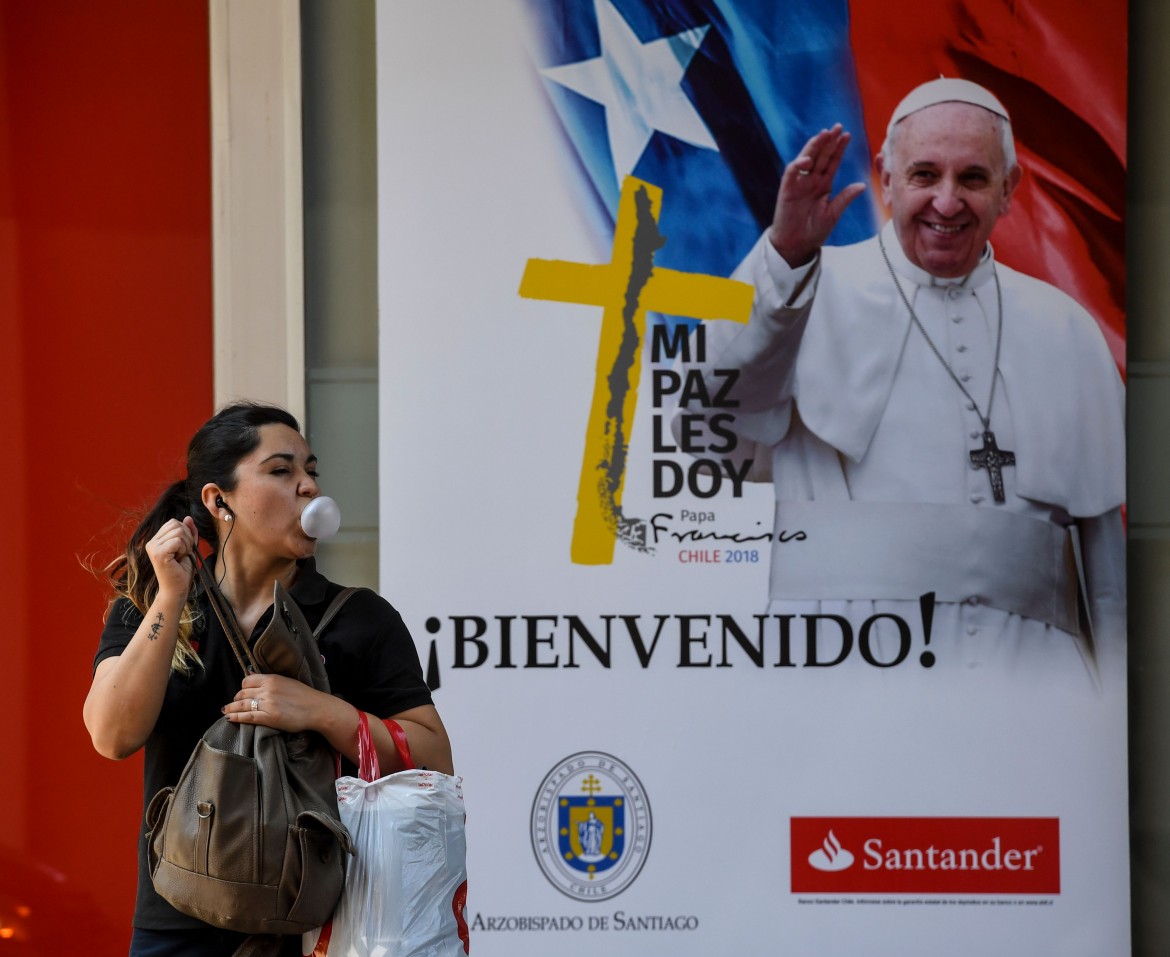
867, 437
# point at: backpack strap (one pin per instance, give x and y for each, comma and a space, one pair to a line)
226, 615
334, 607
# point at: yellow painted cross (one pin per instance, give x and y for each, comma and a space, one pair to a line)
625, 287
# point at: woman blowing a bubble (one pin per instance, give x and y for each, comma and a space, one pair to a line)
164, 670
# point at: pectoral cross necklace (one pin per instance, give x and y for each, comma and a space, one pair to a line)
990, 457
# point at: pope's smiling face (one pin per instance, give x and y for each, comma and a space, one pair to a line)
946, 184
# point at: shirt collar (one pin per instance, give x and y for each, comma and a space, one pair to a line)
920, 277
310, 586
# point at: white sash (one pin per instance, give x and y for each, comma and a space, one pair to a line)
896, 551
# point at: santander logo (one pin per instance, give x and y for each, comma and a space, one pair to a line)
831, 856
925, 855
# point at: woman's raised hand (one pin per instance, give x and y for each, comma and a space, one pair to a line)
170, 553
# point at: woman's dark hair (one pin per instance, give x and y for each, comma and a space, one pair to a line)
213, 453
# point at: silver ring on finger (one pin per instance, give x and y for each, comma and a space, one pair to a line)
255, 704
803, 172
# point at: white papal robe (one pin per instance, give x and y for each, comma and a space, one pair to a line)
866, 437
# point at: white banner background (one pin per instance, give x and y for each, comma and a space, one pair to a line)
484, 402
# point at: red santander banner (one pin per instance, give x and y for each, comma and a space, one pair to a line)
926, 855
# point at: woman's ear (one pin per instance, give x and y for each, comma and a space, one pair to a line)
214, 502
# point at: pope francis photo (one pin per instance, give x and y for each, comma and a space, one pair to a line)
936, 422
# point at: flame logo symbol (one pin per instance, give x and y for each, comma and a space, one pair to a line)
831, 856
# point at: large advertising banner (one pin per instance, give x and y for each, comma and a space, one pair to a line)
769, 610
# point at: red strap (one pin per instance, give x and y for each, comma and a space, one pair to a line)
321, 949
368, 767
400, 742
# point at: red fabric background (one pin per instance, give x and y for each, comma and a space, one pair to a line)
1059, 66
105, 371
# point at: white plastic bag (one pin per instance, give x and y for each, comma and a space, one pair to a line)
406, 884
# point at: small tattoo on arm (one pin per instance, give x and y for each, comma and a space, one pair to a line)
157, 626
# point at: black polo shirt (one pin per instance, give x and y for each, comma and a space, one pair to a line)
369, 655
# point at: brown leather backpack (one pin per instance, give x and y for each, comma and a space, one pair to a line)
249, 839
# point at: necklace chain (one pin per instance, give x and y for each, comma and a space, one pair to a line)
985, 419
